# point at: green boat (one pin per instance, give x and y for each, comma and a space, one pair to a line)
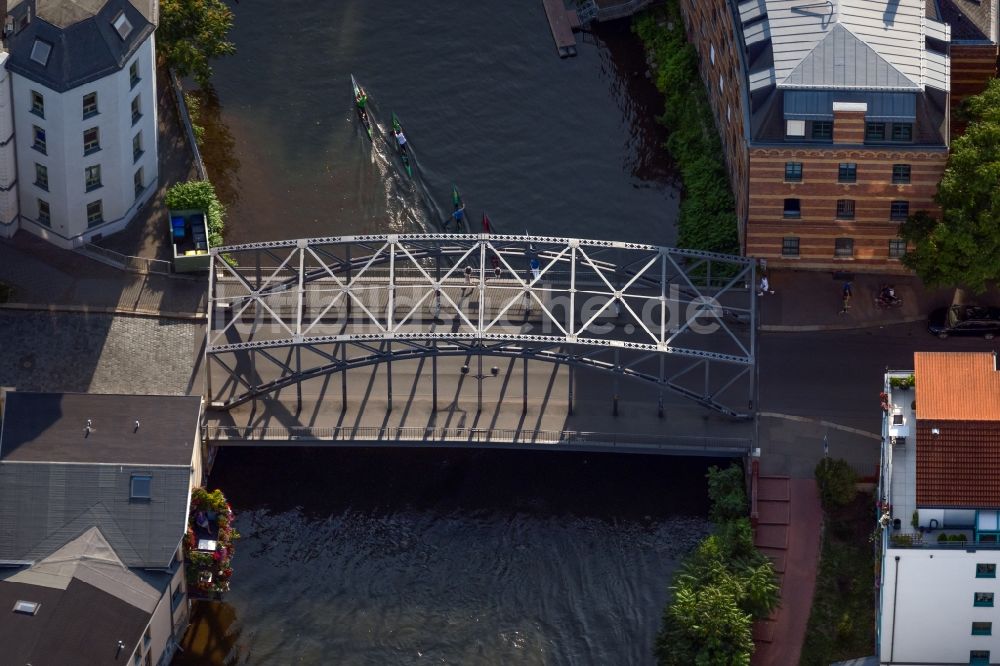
458, 216
362, 111
402, 144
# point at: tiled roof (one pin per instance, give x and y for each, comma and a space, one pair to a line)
957, 386
960, 466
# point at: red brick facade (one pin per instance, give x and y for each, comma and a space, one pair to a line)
867, 222
972, 66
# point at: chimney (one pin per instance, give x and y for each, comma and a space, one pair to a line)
849, 122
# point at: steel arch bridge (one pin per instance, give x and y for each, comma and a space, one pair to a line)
284, 312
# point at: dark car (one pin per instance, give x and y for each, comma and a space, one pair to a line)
965, 320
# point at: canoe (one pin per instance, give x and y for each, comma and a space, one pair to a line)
460, 220
404, 149
362, 113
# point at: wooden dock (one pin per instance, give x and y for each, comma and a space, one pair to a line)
562, 21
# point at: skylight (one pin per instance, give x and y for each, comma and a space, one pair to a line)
26, 607
142, 487
122, 26
40, 52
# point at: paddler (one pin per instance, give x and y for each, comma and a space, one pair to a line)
459, 215
401, 139
362, 101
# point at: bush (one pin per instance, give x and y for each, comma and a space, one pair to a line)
837, 482
727, 493
199, 194
707, 218
943, 537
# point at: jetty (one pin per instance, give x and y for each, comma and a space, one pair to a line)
562, 22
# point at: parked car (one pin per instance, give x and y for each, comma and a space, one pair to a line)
965, 320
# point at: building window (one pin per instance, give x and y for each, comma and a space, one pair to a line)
845, 209
899, 210
982, 628
790, 246
137, 658
141, 487
147, 638
900, 174
89, 105
40, 52
137, 181
42, 176
793, 172
38, 139
136, 112
874, 131
37, 104
148, 660
44, 215
822, 129
847, 173
177, 597
793, 208
122, 25
92, 179
902, 132
983, 599
133, 74
136, 147
795, 128
91, 141
986, 570
897, 248
95, 213
979, 657
843, 248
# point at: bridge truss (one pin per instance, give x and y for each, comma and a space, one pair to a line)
285, 312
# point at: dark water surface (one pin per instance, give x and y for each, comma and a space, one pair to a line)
446, 557
560, 147
357, 556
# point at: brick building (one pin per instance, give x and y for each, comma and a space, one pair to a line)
836, 116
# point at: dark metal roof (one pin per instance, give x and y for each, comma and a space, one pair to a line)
969, 19
85, 44
818, 104
78, 625
52, 427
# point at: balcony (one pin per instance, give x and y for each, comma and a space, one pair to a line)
946, 539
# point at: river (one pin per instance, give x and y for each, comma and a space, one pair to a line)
450, 557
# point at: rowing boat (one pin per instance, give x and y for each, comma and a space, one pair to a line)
362, 111
459, 209
404, 149
487, 226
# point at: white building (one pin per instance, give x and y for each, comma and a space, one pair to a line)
82, 96
940, 512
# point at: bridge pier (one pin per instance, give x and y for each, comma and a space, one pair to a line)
524, 390
434, 377
569, 384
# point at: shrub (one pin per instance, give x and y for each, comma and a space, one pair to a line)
915, 520
199, 194
943, 537
727, 493
836, 482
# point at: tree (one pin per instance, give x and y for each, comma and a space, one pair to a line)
705, 627
963, 246
191, 32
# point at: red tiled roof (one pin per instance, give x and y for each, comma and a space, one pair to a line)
959, 386
960, 466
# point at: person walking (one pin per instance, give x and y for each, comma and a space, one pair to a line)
468, 276
765, 286
846, 293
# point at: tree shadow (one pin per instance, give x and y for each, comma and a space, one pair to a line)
218, 146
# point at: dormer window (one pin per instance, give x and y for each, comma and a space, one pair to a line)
40, 51
122, 25
141, 487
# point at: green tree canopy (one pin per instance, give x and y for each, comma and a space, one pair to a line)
191, 32
963, 246
727, 493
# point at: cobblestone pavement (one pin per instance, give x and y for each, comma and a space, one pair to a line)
41, 351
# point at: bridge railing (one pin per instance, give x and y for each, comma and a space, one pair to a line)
500, 436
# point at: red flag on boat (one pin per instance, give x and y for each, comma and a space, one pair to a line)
486, 224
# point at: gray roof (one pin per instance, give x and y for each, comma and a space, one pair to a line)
52, 427
85, 44
77, 625
45, 505
841, 60
882, 106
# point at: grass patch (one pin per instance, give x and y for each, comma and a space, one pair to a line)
707, 218
842, 621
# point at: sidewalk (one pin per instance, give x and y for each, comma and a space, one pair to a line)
811, 301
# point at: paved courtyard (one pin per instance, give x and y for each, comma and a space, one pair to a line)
42, 351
